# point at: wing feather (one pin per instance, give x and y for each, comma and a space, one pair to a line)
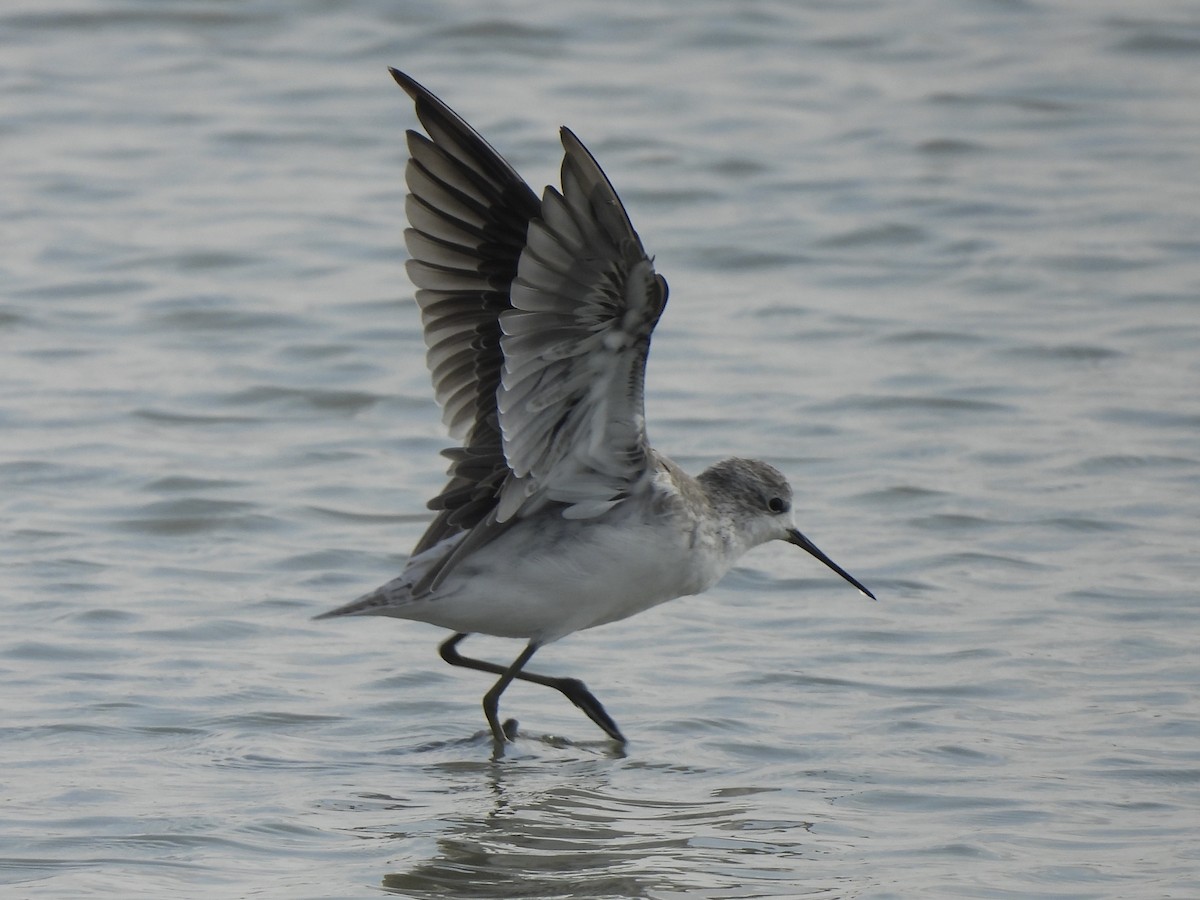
468, 212
585, 302
537, 317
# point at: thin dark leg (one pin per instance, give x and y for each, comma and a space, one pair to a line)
492, 698
571, 688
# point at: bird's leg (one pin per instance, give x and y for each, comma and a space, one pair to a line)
571, 688
492, 698
576, 691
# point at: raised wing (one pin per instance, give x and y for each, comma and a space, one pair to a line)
537, 318
468, 212
584, 303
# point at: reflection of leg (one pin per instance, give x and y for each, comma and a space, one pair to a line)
571, 688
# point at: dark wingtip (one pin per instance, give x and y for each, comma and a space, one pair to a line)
411, 87
568, 137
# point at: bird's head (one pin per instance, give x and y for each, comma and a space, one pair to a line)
757, 499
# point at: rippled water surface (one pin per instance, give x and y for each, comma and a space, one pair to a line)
939, 261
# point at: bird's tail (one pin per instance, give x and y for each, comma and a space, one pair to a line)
366, 605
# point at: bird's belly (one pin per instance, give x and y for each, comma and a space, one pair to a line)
542, 587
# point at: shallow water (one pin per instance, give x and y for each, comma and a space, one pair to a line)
938, 261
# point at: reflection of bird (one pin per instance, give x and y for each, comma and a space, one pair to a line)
558, 515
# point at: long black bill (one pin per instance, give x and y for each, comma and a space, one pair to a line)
795, 537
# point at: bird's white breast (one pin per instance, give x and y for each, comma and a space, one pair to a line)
548, 577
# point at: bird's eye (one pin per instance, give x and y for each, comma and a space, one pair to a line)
777, 505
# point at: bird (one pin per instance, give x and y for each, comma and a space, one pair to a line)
558, 515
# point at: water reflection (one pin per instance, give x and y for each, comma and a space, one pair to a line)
585, 828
